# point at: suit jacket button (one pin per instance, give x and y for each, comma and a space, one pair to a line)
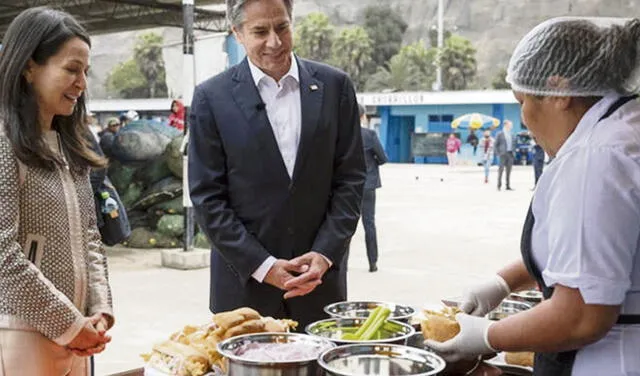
290, 230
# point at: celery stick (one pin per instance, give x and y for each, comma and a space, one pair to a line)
372, 317
376, 325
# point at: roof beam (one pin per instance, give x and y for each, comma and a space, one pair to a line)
107, 16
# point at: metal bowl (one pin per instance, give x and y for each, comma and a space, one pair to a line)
380, 360
350, 310
530, 296
508, 308
333, 329
239, 366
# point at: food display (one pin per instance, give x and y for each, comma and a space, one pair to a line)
371, 327
175, 358
273, 354
363, 309
337, 330
530, 296
524, 359
380, 360
279, 352
440, 325
193, 350
508, 308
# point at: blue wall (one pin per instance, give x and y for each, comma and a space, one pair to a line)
436, 118
511, 111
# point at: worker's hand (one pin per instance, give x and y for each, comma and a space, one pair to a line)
485, 297
471, 342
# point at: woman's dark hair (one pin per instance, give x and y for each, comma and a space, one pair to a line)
38, 34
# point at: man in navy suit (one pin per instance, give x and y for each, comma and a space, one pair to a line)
276, 171
374, 156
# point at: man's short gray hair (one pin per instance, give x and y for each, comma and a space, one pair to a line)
235, 11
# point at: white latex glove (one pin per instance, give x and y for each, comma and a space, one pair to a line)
469, 343
483, 298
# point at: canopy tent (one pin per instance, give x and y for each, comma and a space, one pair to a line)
108, 16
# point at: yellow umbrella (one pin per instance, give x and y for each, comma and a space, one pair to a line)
474, 121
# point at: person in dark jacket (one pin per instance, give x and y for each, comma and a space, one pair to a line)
538, 161
108, 135
472, 140
374, 156
276, 171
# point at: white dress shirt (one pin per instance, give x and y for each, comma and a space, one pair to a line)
587, 229
282, 102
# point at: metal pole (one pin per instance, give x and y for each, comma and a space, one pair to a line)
440, 44
189, 84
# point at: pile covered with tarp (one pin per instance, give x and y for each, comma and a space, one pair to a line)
146, 169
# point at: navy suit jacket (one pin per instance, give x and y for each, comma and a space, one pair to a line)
247, 204
374, 156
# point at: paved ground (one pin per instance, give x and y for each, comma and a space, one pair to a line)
438, 231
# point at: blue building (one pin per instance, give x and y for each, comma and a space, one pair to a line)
235, 51
403, 114
399, 115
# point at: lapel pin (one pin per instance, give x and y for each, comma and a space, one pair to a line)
313, 87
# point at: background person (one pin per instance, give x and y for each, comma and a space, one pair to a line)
505, 148
374, 157
486, 148
452, 145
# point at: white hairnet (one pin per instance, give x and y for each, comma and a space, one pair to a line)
578, 57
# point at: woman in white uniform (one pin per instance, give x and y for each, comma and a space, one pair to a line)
575, 80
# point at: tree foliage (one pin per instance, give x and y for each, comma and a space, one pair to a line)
314, 37
127, 81
459, 66
386, 28
352, 53
373, 55
433, 36
500, 80
144, 75
411, 69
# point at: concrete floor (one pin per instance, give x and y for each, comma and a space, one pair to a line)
439, 230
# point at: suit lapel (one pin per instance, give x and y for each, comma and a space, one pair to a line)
311, 95
246, 95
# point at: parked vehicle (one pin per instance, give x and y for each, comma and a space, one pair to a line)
524, 149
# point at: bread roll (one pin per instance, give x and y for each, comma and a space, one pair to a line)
439, 328
524, 359
247, 327
226, 320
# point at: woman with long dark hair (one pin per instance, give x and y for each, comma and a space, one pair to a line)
55, 299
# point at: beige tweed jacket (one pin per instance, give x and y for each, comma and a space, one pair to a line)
53, 269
